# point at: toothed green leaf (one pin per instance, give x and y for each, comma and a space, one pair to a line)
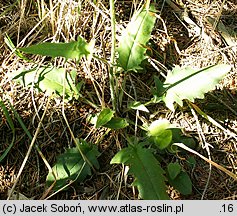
72, 50
188, 83
149, 176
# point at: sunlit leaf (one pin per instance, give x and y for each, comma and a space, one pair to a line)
132, 44
158, 126
49, 80
72, 50
188, 83
136, 105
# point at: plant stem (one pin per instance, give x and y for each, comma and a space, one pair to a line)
112, 59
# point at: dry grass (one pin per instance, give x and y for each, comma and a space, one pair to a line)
30, 22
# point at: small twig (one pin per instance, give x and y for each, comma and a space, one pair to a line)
52, 17
29, 151
135, 96
232, 175
211, 120
70, 130
112, 60
22, 9
30, 137
153, 61
120, 183
205, 145
94, 82
225, 104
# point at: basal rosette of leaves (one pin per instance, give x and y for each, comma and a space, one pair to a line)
150, 177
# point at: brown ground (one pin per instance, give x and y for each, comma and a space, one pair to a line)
18, 21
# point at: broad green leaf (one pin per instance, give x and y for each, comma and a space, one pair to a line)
182, 183
122, 156
132, 44
173, 170
158, 126
70, 166
188, 83
163, 140
49, 80
136, 105
116, 123
72, 50
104, 117
149, 176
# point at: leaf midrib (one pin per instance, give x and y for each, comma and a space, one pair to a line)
135, 38
149, 179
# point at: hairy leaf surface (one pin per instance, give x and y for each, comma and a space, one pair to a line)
147, 171
132, 44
